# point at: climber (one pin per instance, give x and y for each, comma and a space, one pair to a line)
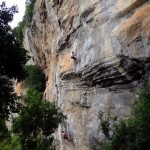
65, 136
73, 56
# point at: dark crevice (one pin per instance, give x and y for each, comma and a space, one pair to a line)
122, 72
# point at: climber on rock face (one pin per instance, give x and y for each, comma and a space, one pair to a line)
65, 136
73, 56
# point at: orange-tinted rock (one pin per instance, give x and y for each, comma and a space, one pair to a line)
137, 24
133, 34
101, 33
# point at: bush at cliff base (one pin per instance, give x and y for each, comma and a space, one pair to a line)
37, 122
134, 133
35, 78
11, 143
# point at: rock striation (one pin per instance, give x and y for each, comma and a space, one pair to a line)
111, 40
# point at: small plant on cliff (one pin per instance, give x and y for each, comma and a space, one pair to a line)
35, 78
105, 124
37, 122
29, 11
133, 133
18, 31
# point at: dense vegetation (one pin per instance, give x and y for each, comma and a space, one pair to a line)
11, 143
12, 67
18, 31
12, 62
37, 121
36, 78
8, 141
29, 11
133, 133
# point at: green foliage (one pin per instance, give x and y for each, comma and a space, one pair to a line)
12, 56
124, 135
37, 121
3, 130
8, 142
12, 62
104, 124
36, 78
142, 118
134, 133
106, 145
12, 143
33, 96
18, 31
12, 66
8, 99
29, 10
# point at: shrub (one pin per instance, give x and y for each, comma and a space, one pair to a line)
37, 121
142, 119
12, 143
12, 62
105, 124
18, 31
36, 78
29, 11
133, 133
3, 130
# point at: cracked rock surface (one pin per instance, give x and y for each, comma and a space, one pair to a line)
111, 40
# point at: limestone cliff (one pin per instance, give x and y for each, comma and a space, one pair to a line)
111, 39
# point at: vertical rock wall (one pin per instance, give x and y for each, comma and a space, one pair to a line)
112, 42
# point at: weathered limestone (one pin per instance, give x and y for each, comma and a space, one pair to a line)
112, 42
133, 35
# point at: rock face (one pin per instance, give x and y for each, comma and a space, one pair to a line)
111, 40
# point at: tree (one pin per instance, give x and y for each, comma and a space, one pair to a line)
13, 142
35, 78
8, 141
29, 10
17, 31
12, 62
26, 21
133, 133
142, 119
37, 121
12, 56
4, 134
